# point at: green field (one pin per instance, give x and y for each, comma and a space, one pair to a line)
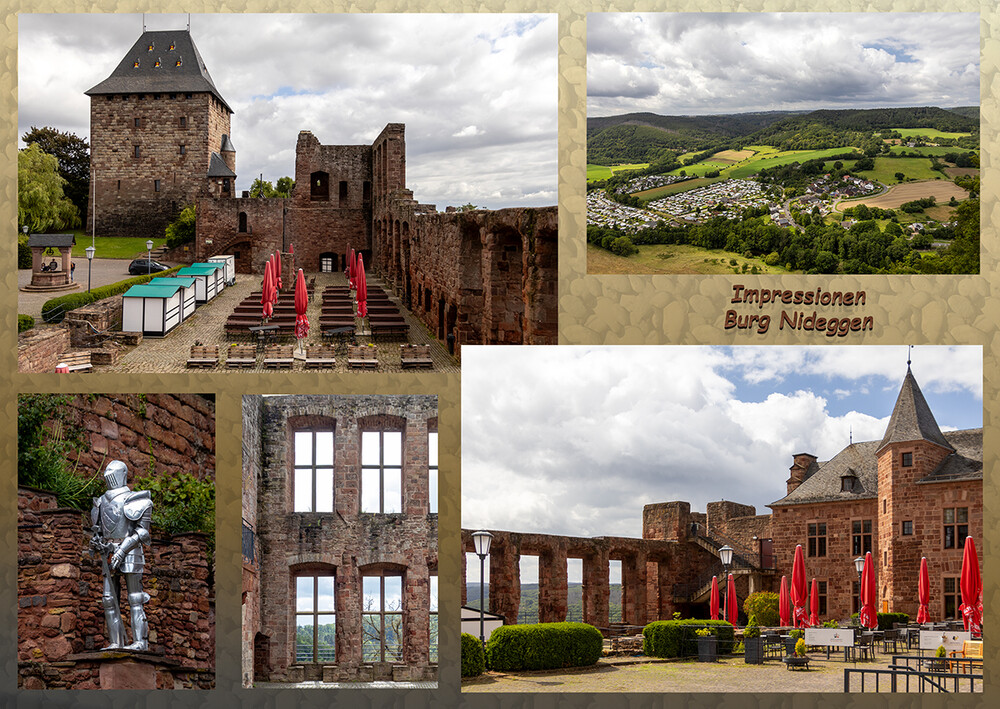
914, 169
676, 188
758, 163
700, 168
669, 258
111, 246
928, 151
603, 172
929, 132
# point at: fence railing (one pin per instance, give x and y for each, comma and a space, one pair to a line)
905, 678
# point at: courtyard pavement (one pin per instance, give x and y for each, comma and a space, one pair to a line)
640, 674
207, 325
345, 685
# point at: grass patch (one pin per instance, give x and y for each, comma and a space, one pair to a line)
914, 169
671, 258
676, 188
929, 132
775, 158
700, 168
603, 172
112, 246
929, 151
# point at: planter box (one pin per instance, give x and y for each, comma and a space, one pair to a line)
707, 649
753, 651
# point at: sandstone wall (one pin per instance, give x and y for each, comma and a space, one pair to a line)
38, 350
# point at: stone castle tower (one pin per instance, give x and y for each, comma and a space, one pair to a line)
159, 137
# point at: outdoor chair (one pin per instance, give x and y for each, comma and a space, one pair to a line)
278, 357
971, 650
890, 638
863, 647
203, 356
242, 356
361, 357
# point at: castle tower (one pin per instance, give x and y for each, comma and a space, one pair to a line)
912, 449
159, 137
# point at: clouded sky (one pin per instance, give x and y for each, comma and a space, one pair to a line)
704, 63
575, 440
477, 92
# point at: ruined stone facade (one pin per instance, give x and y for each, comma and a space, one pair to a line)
159, 138
914, 494
338, 592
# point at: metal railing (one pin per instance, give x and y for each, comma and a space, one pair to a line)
904, 678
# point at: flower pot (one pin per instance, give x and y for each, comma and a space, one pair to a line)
707, 648
753, 651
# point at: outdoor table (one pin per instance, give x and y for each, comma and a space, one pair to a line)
341, 333
265, 334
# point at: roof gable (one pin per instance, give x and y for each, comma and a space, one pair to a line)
911, 418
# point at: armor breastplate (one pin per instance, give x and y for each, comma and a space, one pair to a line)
114, 525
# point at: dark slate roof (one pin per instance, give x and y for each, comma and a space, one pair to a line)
911, 418
46, 240
169, 48
823, 485
217, 167
227, 145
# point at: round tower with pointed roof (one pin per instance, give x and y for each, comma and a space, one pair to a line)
159, 137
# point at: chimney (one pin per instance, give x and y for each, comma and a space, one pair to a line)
801, 466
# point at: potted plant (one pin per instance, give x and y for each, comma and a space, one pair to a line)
753, 644
938, 664
707, 645
790, 641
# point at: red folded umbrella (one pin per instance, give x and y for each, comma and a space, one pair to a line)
362, 289
277, 270
265, 291
784, 617
301, 303
713, 603
799, 588
814, 605
732, 603
971, 584
924, 592
868, 617
350, 269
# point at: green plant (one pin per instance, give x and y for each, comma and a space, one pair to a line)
183, 503
797, 633
941, 652
23, 252
54, 309
739, 649
182, 229
543, 646
764, 605
830, 624
704, 632
752, 630
473, 657
24, 322
676, 615
800, 647
674, 638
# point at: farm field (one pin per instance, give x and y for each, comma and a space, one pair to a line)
929, 150
914, 168
667, 190
732, 156
671, 258
956, 171
929, 132
603, 172
942, 190
774, 159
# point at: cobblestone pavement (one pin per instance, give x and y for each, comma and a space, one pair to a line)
207, 325
728, 675
345, 685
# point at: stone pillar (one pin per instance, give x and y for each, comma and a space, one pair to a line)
596, 589
634, 589
552, 586
416, 616
505, 583
127, 673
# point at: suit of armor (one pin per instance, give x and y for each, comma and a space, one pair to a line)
121, 521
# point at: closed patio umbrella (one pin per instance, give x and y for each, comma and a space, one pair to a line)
301, 303
265, 292
784, 617
350, 268
867, 617
732, 603
713, 603
924, 593
814, 605
362, 289
277, 270
971, 585
799, 588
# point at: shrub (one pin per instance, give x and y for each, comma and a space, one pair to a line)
473, 658
543, 646
676, 638
23, 253
940, 652
752, 630
885, 620
24, 322
800, 647
763, 605
55, 309
797, 633
183, 503
623, 246
182, 229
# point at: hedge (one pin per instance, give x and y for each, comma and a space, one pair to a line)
51, 309
543, 646
676, 638
24, 322
764, 605
23, 253
473, 658
885, 620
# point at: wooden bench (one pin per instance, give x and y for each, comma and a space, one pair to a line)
972, 650
319, 356
361, 357
242, 356
413, 356
278, 357
203, 356
78, 361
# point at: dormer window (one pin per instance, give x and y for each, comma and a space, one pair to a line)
848, 481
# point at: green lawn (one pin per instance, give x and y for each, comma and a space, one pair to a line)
676, 188
928, 150
669, 258
765, 160
112, 246
914, 169
929, 132
603, 172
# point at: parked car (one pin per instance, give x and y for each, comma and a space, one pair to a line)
142, 266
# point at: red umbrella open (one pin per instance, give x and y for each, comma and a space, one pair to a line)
814, 605
924, 593
784, 617
867, 617
713, 603
301, 303
799, 588
732, 603
362, 289
972, 585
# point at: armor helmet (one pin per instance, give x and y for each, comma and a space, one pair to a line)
114, 474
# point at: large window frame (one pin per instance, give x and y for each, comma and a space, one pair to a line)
951, 597
861, 536
382, 469
313, 470
432, 472
315, 602
381, 619
956, 526
816, 539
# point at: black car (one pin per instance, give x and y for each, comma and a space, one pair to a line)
142, 266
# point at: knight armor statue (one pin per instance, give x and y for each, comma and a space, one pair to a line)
121, 521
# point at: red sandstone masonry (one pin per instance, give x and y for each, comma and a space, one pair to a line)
39, 350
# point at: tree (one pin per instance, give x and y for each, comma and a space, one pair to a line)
470, 207
182, 229
73, 155
41, 203
264, 188
284, 186
900, 177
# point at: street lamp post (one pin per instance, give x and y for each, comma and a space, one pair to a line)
726, 557
90, 260
481, 541
859, 565
149, 256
